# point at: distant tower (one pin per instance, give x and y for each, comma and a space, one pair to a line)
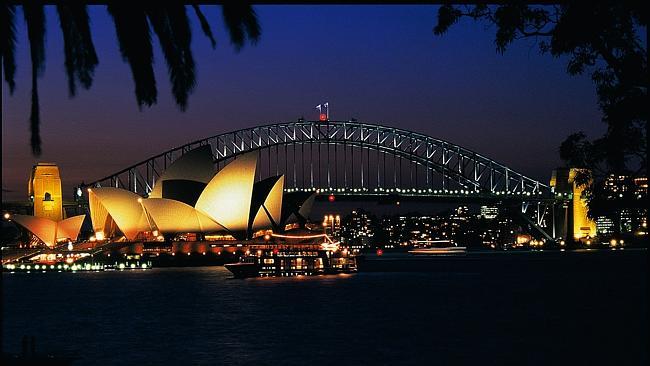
45, 191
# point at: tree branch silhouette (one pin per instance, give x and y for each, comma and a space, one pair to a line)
600, 37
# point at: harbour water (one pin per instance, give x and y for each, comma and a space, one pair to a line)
596, 314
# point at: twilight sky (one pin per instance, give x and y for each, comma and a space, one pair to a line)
379, 64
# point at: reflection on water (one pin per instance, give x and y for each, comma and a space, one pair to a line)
201, 316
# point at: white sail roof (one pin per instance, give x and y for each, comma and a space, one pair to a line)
171, 216
269, 213
124, 207
227, 197
44, 229
195, 165
70, 227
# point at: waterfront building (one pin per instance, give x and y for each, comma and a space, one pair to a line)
417, 230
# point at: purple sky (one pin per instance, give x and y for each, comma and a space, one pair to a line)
379, 64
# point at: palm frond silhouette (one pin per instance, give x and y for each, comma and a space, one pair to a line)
135, 24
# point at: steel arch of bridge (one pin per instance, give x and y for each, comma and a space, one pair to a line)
441, 168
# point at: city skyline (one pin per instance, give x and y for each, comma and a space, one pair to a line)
416, 80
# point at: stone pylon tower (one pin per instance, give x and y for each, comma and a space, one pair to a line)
45, 191
572, 221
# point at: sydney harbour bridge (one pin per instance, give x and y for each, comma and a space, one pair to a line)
354, 160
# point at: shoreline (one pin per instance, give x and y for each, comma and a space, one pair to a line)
533, 262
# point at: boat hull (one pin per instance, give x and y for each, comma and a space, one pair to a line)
243, 270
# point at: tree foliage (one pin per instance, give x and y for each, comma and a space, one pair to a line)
135, 22
601, 38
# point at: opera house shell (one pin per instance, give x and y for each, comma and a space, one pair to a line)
190, 198
49, 231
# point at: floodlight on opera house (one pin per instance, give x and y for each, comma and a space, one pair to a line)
189, 198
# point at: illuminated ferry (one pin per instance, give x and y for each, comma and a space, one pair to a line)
437, 247
434, 251
293, 255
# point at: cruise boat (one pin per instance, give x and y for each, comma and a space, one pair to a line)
293, 256
247, 267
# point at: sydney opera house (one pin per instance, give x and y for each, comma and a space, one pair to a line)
190, 198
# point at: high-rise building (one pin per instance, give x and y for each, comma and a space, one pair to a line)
604, 225
357, 230
641, 187
462, 211
45, 191
489, 212
616, 185
632, 218
626, 220
332, 226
